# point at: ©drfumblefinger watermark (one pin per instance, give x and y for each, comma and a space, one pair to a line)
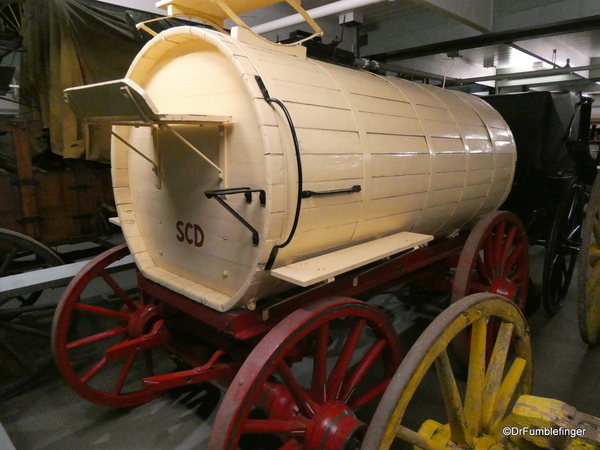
527, 431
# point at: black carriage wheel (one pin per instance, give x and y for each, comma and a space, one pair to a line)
563, 246
23, 324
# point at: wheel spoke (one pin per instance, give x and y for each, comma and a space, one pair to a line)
507, 390
123, 317
94, 370
123, 374
488, 258
454, 408
294, 388
8, 261
317, 386
482, 269
513, 258
360, 370
495, 370
96, 337
498, 236
368, 396
16, 355
334, 383
575, 234
520, 277
149, 362
118, 290
24, 329
508, 245
476, 376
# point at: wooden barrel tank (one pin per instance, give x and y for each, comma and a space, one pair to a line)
398, 157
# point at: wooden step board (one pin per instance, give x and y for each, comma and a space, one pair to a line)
324, 267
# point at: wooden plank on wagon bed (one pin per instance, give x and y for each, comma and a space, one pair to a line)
311, 271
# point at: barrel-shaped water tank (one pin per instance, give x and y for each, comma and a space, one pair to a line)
398, 156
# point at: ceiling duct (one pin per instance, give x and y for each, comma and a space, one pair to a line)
330, 9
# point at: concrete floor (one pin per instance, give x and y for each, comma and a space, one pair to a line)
52, 417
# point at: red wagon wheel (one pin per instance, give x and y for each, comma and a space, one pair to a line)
494, 259
311, 375
104, 339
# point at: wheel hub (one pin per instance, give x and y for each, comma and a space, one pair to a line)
335, 428
332, 426
142, 320
505, 287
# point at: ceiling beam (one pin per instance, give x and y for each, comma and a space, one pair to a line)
530, 74
552, 51
503, 37
477, 14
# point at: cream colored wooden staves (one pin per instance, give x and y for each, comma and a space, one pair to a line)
381, 155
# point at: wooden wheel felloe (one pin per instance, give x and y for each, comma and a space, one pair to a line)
563, 247
588, 280
494, 259
106, 340
20, 253
24, 326
468, 416
311, 375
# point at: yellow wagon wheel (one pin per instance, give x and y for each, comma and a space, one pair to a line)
470, 413
588, 280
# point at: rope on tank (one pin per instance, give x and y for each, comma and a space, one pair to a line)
269, 99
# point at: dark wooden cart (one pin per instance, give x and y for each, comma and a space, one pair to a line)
52, 207
554, 173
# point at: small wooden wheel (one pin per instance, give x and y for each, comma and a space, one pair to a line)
310, 376
465, 416
105, 340
563, 247
494, 259
588, 280
20, 253
24, 326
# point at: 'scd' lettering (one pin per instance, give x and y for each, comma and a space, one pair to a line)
190, 233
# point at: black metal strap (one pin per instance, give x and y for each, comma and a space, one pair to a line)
355, 188
262, 196
270, 100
